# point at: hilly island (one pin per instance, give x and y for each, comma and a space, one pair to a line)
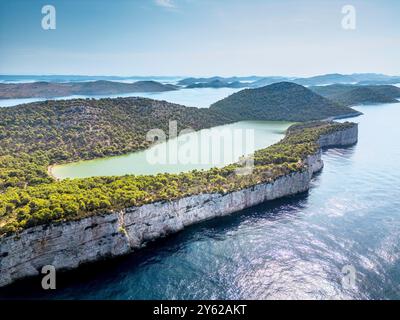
350, 95
63, 89
37, 135
281, 101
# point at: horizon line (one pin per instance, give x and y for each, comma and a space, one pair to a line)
193, 76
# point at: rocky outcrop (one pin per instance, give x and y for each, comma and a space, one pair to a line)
69, 244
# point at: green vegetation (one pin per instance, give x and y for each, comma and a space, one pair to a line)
359, 94
43, 202
280, 101
23, 169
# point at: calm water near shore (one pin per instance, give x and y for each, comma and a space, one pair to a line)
200, 98
290, 248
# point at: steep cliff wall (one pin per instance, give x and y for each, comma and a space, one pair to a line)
339, 138
67, 245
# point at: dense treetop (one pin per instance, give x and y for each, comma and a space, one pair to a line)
69, 130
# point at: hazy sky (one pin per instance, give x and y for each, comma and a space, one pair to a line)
199, 37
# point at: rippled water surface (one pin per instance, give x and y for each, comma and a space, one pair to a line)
291, 248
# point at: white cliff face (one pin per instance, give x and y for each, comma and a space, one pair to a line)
69, 244
340, 138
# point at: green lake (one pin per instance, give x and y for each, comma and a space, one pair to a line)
203, 149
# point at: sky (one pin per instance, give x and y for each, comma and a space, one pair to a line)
199, 37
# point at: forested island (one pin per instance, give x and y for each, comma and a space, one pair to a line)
36, 135
63, 89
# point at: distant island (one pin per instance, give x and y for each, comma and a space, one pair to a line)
283, 101
217, 84
320, 80
55, 89
195, 81
350, 95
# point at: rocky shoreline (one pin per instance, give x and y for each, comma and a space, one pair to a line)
69, 244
